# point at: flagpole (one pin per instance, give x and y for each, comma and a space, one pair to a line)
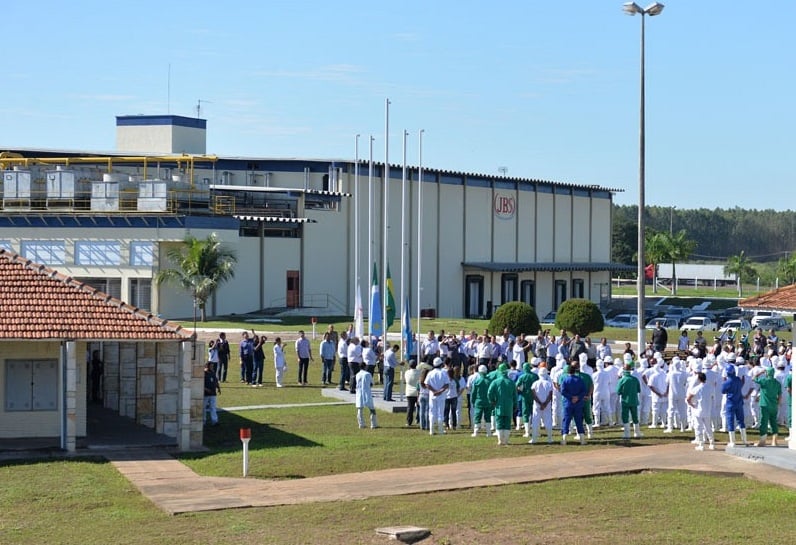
404, 239
356, 209
370, 216
386, 217
419, 219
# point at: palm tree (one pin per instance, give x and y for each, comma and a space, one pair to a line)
679, 249
202, 266
740, 266
786, 268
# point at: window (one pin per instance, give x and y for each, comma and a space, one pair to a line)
31, 385
508, 288
111, 286
141, 292
528, 292
142, 254
577, 288
46, 252
474, 296
6, 245
95, 252
560, 292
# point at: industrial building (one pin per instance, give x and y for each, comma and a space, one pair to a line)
107, 219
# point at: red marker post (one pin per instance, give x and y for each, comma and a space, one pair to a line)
245, 437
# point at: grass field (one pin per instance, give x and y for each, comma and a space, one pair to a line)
86, 501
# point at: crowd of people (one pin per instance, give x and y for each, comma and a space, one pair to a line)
547, 381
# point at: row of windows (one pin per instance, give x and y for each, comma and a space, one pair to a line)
513, 290
87, 252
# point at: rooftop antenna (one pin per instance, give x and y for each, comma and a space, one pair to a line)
199, 107
503, 170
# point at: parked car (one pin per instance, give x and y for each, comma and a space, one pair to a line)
777, 323
732, 313
549, 318
679, 314
666, 323
700, 323
623, 320
741, 325
763, 315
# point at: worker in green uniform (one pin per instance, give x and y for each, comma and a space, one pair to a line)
587, 380
628, 388
524, 388
482, 407
770, 392
502, 395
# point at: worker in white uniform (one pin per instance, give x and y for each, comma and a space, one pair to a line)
656, 380
364, 396
601, 398
701, 401
677, 413
542, 406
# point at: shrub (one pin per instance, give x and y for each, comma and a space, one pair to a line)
517, 316
580, 316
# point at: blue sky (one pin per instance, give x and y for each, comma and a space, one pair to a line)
548, 90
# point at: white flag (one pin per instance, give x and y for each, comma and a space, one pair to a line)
359, 324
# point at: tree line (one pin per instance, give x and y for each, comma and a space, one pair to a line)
750, 242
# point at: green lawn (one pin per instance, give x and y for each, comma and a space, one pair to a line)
87, 502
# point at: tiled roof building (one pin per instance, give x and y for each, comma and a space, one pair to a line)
37, 302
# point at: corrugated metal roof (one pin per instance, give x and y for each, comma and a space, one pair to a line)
546, 267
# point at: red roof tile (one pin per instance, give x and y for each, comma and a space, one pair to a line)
778, 299
37, 302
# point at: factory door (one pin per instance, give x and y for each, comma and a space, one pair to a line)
293, 296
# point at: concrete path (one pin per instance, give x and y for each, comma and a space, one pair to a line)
174, 488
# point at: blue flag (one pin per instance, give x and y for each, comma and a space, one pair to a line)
406, 321
374, 315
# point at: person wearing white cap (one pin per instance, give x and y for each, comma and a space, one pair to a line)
641, 372
542, 406
656, 381
713, 387
615, 373
555, 377
524, 389
437, 382
700, 401
601, 398
482, 408
781, 374
629, 388
502, 395
677, 414
733, 408
364, 396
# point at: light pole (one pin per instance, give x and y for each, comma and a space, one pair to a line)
671, 219
631, 8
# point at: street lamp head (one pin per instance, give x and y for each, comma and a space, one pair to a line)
631, 8
654, 9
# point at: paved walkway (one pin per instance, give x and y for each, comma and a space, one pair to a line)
175, 488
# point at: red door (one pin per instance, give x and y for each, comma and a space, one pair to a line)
293, 297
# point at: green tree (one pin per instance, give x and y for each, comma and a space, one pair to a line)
519, 317
580, 316
201, 267
656, 250
740, 266
678, 248
786, 269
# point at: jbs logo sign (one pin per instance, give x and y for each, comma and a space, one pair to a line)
504, 206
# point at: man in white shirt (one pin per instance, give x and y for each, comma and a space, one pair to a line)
390, 363
437, 382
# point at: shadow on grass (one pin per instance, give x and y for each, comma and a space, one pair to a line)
225, 437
